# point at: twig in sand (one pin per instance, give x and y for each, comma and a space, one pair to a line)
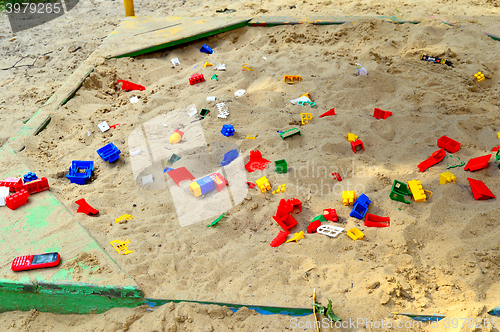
36, 58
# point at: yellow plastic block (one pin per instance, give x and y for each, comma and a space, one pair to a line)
417, 191
351, 137
290, 79
305, 95
247, 68
124, 217
479, 76
296, 237
355, 234
195, 189
251, 137
498, 134
207, 64
263, 184
278, 190
446, 177
121, 246
348, 197
305, 117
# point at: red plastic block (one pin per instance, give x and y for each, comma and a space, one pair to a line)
477, 163
256, 162
448, 144
180, 174
330, 112
115, 125
436, 157
357, 145
295, 203
313, 226
337, 176
129, 86
12, 183
495, 149
196, 78
479, 190
16, 200
330, 214
219, 181
35, 186
381, 114
372, 220
251, 185
283, 217
278, 240
84, 207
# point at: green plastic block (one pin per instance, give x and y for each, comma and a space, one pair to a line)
173, 158
203, 113
281, 166
399, 191
320, 218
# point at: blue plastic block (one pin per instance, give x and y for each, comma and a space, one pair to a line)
109, 153
206, 184
229, 157
168, 169
227, 130
205, 49
360, 207
80, 171
29, 177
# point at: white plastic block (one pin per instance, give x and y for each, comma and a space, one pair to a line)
331, 231
103, 126
134, 100
192, 112
147, 179
4, 193
175, 62
220, 67
211, 98
135, 151
239, 93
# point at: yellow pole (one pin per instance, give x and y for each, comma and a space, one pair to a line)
129, 8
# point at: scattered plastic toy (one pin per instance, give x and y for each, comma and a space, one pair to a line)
361, 70
211, 98
479, 76
447, 177
147, 179
330, 112
263, 184
167, 169
203, 113
348, 197
222, 113
134, 100
251, 185
251, 136
116, 125
381, 114
477, 163
175, 61
459, 164
305, 117
176, 137
220, 67
17, 200
109, 153
227, 130
448, 144
351, 137
214, 181
330, 214
129, 86
205, 49
11, 183
30, 176
280, 239
34, 187
291, 79
281, 166
80, 171
355, 234
240, 93
256, 163
121, 246
124, 217
360, 207
229, 157
398, 192
320, 217
214, 77
435, 158
196, 78
306, 102
207, 64
134, 151
173, 158
4, 193
281, 189
283, 214
436, 60
357, 145
217, 220
372, 220
303, 98
84, 207
290, 133
418, 191
313, 226
103, 126
337, 176
296, 237
180, 174
479, 190
329, 230
247, 68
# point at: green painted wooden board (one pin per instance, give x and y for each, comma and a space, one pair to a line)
270, 21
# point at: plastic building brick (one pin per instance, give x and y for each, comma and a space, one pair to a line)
229, 157
398, 192
479, 190
147, 179
220, 67
176, 137
219, 181
330, 214
16, 200
173, 158
360, 207
330, 112
280, 239
129, 86
417, 191
134, 151
256, 163
296, 237
436, 60
337, 176
121, 246
329, 230
290, 133
227, 130
103, 126
29, 177
116, 125
355, 234
313, 226
175, 61
34, 187
306, 102
196, 78
205, 49
348, 197
214, 77
251, 185
4, 193
321, 218
372, 220
204, 113
436, 157
381, 114
205, 185
109, 153
84, 207
291, 79
357, 145
448, 144
124, 217
305, 117
351, 137
281, 166
263, 184
446, 177
285, 208
207, 64
11, 183
479, 76
80, 171
477, 163
180, 174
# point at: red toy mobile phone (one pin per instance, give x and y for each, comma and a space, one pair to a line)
31, 262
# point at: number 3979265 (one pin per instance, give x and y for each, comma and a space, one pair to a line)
33, 8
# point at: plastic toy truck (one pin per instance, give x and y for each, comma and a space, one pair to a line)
207, 184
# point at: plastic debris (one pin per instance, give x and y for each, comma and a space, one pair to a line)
80, 171
229, 157
279, 239
173, 158
192, 112
301, 98
223, 113
206, 49
329, 230
84, 207
447, 177
435, 158
121, 246
381, 114
220, 67
129, 86
214, 77
147, 179
256, 163
103, 126
458, 164
305, 117
330, 112
291, 79
355, 234
422, 318
216, 220
211, 98
134, 151
436, 60
134, 100
361, 70
109, 153
373, 220
296, 237
247, 68
479, 76
4, 193
179, 174
480, 190
175, 62
207, 64
176, 137
240, 93
124, 217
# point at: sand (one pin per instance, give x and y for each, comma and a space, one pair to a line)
437, 257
